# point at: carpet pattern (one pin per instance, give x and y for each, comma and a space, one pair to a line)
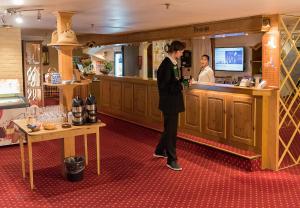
130, 177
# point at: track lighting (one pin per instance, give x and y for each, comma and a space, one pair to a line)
16, 12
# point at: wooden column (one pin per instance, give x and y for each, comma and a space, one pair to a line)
65, 62
271, 54
65, 65
270, 73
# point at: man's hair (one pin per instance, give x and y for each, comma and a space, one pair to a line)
206, 56
175, 46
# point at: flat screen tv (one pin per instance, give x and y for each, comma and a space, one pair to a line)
229, 59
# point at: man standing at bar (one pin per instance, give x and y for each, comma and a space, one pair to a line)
206, 73
170, 103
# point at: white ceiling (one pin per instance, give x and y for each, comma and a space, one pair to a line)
118, 16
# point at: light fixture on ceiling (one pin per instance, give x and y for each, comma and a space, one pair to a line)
17, 13
167, 5
19, 18
39, 15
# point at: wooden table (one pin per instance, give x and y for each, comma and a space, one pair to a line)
58, 133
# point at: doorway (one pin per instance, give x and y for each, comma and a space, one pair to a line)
118, 57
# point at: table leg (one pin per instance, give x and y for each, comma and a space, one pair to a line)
86, 150
30, 162
98, 151
22, 155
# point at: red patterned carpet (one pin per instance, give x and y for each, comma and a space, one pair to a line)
130, 177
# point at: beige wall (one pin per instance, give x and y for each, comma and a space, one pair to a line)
11, 54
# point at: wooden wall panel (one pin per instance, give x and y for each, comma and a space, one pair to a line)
192, 115
140, 100
116, 95
105, 93
154, 112
11, 55
127, 97
242, 120
215, 115
95, 90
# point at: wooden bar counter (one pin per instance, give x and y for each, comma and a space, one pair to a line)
235, 116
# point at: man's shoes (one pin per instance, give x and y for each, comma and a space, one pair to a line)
160, 155
173, 165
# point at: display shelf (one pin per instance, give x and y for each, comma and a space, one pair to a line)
71, 84
65, 44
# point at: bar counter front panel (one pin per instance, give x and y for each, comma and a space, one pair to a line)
223, 113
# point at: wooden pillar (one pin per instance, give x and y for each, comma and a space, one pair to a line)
65, 62
63, 21
271, 54
65, 65
270, 115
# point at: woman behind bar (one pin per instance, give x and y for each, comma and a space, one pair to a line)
170, 103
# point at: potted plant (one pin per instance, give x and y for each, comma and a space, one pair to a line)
108, 65
88, 69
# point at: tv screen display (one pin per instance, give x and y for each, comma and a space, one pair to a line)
229, 59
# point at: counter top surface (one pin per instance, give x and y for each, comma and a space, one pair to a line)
205, 86
233, 89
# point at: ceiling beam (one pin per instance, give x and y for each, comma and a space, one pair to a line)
247, 24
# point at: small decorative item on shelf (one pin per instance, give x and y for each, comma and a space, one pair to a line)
52, 77
107, 67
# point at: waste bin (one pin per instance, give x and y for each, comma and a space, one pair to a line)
74, 167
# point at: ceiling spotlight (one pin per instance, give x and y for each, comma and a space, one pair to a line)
167, 5
19, 19
39, 15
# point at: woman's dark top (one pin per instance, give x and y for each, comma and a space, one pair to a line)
169, 88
